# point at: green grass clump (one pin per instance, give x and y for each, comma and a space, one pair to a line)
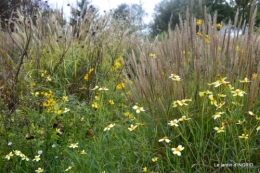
74, 101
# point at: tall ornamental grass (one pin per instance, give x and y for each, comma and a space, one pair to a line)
94, 97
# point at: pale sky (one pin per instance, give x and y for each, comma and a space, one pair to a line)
148, 5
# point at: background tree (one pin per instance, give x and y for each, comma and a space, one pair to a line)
7, 7
132, 14
223, 8
226, 10
167, 8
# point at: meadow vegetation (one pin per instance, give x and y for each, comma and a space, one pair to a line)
96, 97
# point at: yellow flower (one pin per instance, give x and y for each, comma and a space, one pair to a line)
258, 128
90, 70
43, 74
254, 75
96, 87
207, 40
241, 121
48, 78
120, 86
94, 105
244, 80
58, 112
230, 87
199, 34
111, 102
118, 63
154, 159
36, 94
219, 82
177, 150
109, 127
8, 156
66, 110
251, 113
32, 84
219, 129
86, 77
39, 170
58, 130
24, 157
243, 136
184, 118
132, 127
83, 152
152, 55
181, 102
199, 22
18, 153
175, 77
219, 48
129, 115
145, 169
212, 100
165, 138
218, 25
74, 145
138, 108
203, 93
65, 98
217, 115
140, 124
219, 105
103, 88
69, 168
37, 158
174, 123
238, 92
222, 95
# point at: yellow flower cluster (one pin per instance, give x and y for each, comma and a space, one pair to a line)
199, 22
95, 105
181, 102
47, 78
218, 25
118, 65
17, 153
206, 37
120, 86
32, 84
129, 115
86, 77
152, 55
50, 102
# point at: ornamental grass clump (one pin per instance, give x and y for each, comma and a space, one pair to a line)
94, 97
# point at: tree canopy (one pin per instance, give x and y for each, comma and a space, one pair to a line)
226, 10
7, 7
132, 14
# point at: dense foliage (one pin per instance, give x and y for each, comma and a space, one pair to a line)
169, 10
97, 97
